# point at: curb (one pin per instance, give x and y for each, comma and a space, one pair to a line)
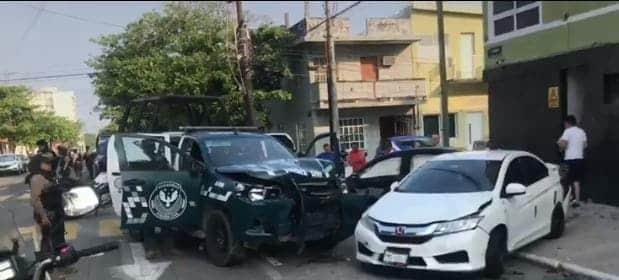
570, 267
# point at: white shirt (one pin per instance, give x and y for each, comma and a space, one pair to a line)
576, 142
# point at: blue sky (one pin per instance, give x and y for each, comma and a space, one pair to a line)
36, 42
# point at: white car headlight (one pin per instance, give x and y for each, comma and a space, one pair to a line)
6, 270
257, 193
367, 222
464, 224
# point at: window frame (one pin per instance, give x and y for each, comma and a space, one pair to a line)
526, 170
440, 124
351, 127
491, 18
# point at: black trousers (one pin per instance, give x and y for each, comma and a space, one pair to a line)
52, 236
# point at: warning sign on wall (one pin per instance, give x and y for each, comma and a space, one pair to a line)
553, 97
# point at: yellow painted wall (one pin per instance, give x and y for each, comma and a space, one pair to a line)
424, 24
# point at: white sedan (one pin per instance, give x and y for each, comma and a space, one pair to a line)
464, 212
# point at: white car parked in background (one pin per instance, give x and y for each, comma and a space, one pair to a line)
464, 212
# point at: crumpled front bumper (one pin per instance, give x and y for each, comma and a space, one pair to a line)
274, 221
440, 253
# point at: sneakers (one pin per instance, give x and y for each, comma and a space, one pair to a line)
575, 204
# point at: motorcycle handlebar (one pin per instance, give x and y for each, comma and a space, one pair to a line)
97, 249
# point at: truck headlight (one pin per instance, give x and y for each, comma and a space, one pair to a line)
6, 270
464, 224
258, 193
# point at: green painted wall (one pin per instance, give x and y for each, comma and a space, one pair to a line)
554, 10
562, 39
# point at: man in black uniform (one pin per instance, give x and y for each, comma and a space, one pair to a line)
46, 200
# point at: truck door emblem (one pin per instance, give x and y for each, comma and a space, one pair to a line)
168, 201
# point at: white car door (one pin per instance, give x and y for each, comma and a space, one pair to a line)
113, 176
519, 211
546, 193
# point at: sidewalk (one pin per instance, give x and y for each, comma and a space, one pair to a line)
591, 239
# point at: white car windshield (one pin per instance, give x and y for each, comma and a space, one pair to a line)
452, 176
7, 158
244, 150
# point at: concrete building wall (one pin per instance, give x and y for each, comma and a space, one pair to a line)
458, 20
60, 103
566, 27
349, 65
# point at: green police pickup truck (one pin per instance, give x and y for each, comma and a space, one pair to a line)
236, 189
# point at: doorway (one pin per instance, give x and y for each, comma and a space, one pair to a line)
474, 126
391, 126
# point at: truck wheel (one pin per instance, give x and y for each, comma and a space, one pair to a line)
557, 223
221, 247
495, 254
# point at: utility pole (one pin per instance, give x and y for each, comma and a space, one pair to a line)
443, 73
334, 117
306, 9
244, 47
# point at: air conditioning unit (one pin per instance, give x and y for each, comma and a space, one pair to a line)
388, 60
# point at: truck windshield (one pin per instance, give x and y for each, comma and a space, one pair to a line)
244, 150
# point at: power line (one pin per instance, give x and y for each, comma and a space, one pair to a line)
76, 17
89, 74
334, 16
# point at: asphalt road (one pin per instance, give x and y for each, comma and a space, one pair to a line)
185, 260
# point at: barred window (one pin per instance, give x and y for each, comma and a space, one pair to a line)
352, 130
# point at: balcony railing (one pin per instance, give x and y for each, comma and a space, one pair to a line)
372, 93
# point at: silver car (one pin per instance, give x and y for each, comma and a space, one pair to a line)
13, 163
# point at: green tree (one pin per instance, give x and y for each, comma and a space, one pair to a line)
89, 141
16, 113
187, 49
52, 128
22, 124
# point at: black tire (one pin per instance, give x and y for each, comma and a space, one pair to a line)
495, 254
221, 247
557, 223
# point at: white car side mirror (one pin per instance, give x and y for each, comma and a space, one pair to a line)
394, 185
514, 189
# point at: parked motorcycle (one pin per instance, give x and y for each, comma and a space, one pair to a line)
80, 201
13, 266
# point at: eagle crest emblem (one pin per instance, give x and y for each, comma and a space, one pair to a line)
168, 201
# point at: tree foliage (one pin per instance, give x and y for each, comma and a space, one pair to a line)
22, 124
187, 49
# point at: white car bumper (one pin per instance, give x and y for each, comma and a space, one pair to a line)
10, 168
458, 252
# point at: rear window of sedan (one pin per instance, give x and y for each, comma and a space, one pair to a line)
452, 176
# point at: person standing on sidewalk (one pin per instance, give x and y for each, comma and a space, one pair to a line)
356, 158
573, 142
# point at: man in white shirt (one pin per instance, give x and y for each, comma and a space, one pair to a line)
573, 142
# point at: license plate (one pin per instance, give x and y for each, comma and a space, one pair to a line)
395, 258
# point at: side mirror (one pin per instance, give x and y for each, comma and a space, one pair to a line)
394, 185
515, 189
